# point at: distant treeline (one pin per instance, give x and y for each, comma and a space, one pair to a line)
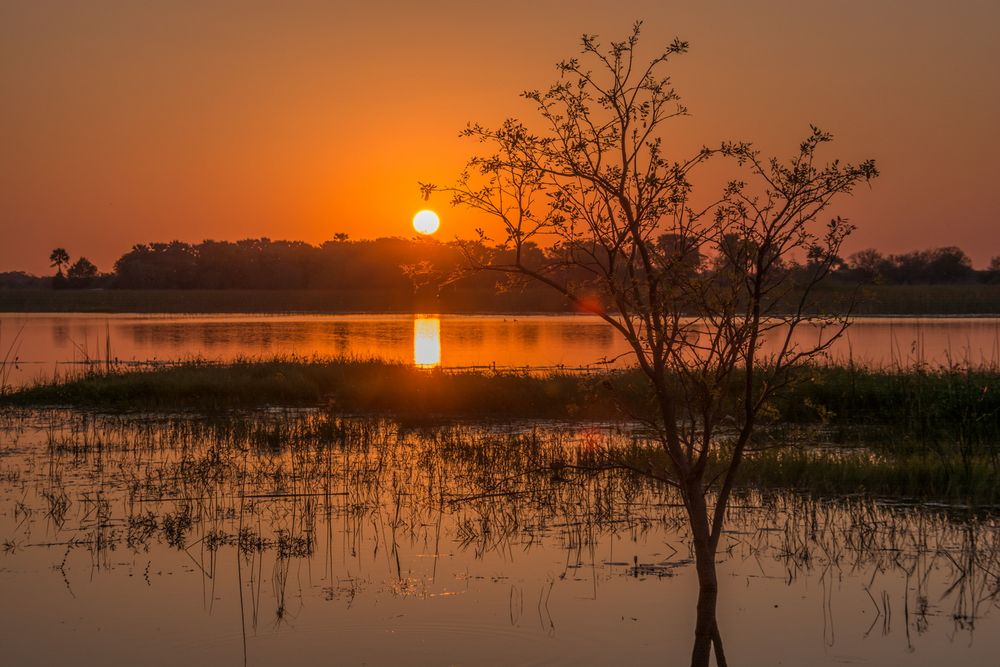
406, 265
385, 263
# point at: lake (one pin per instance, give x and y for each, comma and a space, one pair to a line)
300, 536
49, 344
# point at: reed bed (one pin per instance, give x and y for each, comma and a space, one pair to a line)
955, 403
285, 487
916, 432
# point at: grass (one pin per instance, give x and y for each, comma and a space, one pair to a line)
921, 432
957, 401
955, 409
181, 479
284, 494
925, 475
352, 385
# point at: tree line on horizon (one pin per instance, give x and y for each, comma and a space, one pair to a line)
392, 264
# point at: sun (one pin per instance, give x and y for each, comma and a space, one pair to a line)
426, 221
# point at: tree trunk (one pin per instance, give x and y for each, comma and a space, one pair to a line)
706, 633
706, 630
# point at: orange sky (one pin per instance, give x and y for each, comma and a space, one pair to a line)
126, 122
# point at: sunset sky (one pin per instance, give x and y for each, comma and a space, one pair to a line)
128, 122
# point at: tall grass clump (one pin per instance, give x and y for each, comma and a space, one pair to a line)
920, 407
946, 407
921, 431
8, 358
352, 385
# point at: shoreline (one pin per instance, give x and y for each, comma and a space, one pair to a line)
976, 300
402, 314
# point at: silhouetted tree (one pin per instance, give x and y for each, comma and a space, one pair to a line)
82, 273
930, 266
947, 265
993, 271
21, 280
59, 258
390, 272
157, 265
869, 265
937, 265
596, 183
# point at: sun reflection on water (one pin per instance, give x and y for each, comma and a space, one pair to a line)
427, 342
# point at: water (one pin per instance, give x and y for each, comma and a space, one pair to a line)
50, 344
299, 536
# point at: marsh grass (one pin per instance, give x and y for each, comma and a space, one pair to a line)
923, 475
280, 488
8, 357
351, 384
920, 404
920, 432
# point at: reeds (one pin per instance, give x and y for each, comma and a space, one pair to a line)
279, 487
352, 384
923, 432
8, 358
956, 406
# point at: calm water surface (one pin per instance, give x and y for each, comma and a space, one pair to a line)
49, 344
289, 537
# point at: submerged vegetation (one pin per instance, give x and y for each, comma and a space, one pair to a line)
279, 488
920, 432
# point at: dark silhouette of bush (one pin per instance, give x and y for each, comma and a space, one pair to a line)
82, 274
948, 264
22, 280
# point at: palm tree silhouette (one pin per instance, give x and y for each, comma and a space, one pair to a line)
59, 258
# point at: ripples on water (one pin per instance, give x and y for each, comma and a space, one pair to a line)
305, 536
50, 344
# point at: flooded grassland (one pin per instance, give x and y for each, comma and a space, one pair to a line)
301, 535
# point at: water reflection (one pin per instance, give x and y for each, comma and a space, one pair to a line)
307, 530
548, 341
427, 342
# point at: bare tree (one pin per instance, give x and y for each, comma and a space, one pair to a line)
701, 294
